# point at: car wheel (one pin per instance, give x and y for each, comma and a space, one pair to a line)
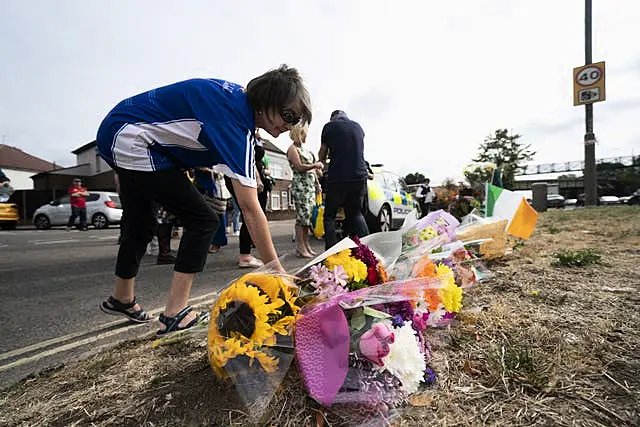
384, 219
42, 222
100, 221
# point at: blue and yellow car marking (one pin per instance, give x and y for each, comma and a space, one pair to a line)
395, 198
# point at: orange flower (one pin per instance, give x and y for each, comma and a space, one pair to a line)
425, 268
432, 298
384, 277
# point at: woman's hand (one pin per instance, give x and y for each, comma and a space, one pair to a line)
319, 166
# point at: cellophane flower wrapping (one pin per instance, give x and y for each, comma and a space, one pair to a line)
360, 344
434, 241
250, 336
488, 235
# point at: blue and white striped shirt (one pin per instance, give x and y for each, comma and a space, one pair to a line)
199, 122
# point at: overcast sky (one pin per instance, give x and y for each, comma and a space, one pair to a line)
427, 80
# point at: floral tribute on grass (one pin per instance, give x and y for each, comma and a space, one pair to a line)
356, 319
250, 339
362, 342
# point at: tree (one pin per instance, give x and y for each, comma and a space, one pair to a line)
450, 184
414, 178
506, 152
477, 177
616, 179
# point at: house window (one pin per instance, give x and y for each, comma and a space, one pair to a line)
275, 201
276, 170
285, 200
98, 163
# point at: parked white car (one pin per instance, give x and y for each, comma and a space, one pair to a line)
608, 200
103, 209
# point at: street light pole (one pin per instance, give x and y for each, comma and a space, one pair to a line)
590, 178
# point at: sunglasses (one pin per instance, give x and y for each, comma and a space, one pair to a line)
289, 116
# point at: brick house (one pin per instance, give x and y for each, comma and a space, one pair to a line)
279, 204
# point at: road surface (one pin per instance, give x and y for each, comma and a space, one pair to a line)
51, 283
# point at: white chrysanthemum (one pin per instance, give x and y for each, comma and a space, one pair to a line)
405, 360
436, 317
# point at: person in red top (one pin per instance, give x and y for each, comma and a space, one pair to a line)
77, 194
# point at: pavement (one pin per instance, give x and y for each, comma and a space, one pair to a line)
52, 281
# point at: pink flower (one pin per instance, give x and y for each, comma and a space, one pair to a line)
374, 344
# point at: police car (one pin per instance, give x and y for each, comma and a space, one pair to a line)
389, 200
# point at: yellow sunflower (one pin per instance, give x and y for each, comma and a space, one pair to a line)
247, 316
281, 291
269, 284
239, 299
239, 323
268, 363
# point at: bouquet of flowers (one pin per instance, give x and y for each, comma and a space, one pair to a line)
430, 250
366, 350
430, 232
250, 338
438, 237
349, 267
361, 342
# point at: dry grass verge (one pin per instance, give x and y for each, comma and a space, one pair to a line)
537, 344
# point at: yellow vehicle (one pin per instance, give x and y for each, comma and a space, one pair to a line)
8, 211
9, 216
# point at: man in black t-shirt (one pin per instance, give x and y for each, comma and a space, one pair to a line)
346, 184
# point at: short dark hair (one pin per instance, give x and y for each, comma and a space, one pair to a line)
279, 88
77, 180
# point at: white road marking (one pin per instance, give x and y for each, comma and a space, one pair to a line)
106, 237
54, 242
207, 298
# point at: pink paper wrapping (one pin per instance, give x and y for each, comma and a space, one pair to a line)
322, 351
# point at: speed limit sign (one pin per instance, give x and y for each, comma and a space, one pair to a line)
588, 84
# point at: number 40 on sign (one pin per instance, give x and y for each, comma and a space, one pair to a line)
588, 84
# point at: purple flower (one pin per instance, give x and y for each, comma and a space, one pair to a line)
420, 321
329, 283
430, 376
397, 321
448, 316
363, 253
402, 308
339, 276
446, 262
319, 274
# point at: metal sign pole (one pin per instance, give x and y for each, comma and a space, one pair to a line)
590, 178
